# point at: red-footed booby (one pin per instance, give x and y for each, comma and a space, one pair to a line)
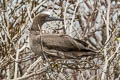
55, 45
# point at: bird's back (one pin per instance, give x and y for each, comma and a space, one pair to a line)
60, 42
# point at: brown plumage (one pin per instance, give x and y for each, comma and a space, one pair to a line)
55, 45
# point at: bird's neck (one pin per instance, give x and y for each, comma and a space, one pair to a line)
36, 28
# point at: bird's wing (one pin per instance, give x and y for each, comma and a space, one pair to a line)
60, 42
82, 42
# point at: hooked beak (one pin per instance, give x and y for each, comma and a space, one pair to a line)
53, 19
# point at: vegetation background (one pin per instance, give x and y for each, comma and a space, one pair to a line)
95, 21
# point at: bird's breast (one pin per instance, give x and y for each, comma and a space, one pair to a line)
34, 43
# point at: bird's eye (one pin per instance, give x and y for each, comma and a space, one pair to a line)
46, 18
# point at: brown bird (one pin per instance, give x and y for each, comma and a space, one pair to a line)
55, 45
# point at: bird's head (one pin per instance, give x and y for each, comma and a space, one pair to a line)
43, 17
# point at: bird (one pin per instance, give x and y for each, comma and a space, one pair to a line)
58, 46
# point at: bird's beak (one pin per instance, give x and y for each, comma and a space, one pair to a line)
53, 19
